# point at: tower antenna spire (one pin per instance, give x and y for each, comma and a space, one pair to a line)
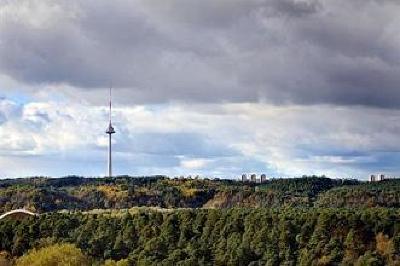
110, 130
110, 104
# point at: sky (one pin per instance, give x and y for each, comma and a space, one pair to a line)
209, 88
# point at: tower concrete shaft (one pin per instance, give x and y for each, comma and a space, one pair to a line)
109, 156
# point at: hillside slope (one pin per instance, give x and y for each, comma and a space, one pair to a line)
77, 193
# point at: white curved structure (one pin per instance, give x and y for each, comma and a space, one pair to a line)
17, 212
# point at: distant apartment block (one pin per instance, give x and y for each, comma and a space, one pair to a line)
372, 178
263, 178
253, 178
377, 178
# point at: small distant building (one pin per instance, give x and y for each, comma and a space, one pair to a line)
377, 178
244, 178
263, 178
253, 178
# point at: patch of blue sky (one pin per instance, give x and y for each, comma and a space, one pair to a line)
17, 97
306, 151
157, 108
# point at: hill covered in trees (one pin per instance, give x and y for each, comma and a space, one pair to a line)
77, 193
107, 221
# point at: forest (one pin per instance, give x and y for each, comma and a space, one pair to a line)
42, 194
235, 236
176, 221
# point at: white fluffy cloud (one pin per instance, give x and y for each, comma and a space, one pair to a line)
217, 140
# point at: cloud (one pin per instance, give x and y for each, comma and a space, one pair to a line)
194, 163
174, 139
285, 87
281, 52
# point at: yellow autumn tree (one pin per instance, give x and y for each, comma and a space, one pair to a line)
55, 255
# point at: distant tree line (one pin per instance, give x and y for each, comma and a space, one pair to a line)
77, 193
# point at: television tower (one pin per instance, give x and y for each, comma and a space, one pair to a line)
110, 130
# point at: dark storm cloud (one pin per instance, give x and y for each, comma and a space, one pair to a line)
281, 51
296, 8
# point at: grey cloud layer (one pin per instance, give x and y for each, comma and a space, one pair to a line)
344, 52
